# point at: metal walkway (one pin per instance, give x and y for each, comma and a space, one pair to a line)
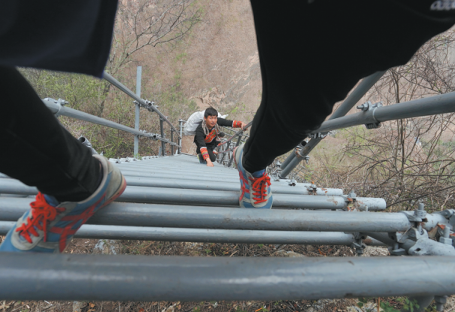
184, 196
177, 199
174, 198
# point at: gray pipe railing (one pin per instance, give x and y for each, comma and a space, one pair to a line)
146, 278
127, 91
160, 215
438, 104
58, 109
181, 121
137, 109
366, 84
163, 145
240, 132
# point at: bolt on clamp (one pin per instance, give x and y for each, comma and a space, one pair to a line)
445, 237
358, 245
312, 189
351, 199
367, 106
440, 302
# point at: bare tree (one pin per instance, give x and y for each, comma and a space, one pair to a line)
406, 160
142, 24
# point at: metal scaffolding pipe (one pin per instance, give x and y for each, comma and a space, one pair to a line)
229, 218
438, 104
181, 121
128, 173
145, 174
219, 198
230, 198
69, 112
148, 278
278, 188
209, 235
226, 186
138, 109
163, 145
236, 144
366, 84
185, 171
172, 140
293, 163
216, 174
127, 91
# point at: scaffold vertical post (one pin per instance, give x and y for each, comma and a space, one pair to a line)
172, 140
236, 144
181, 135
136, 121
163, 144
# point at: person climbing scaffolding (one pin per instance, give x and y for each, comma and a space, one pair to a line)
311, 53
208, 132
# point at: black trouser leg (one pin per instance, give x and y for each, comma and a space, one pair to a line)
36, 149
312, 55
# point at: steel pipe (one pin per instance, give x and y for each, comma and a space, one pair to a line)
220, 198
146, 278
137, 109
229, 179
69, 112
229, 218
215, 174
127, 91
226, 186
366, 84
144, 174
236, 144
195, 169
230, 198
163, 145
438, 104
180, 136
209, 235
172, 140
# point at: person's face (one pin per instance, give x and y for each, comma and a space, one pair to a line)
211, 121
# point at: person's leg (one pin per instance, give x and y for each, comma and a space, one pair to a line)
211, 154
312, 53
39, 152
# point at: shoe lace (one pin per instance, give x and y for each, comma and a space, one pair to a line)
41, 214
259, 187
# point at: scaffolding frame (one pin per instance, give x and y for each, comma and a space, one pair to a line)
171, 198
